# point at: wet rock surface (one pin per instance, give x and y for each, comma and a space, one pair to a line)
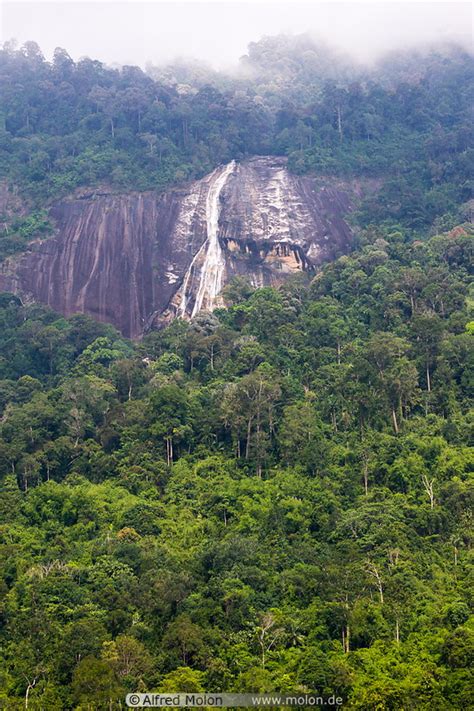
138, 259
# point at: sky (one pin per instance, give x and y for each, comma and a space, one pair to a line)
140, 32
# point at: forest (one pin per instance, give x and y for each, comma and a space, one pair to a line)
271, 497
275, 496
406, 122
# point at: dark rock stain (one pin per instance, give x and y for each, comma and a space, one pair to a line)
122, 258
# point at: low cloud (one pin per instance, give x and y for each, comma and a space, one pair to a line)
218, 33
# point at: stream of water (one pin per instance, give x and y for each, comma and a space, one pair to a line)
213, 264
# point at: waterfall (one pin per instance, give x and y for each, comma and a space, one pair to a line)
213, 260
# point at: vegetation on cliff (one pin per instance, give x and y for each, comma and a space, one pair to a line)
67, 124
273, 497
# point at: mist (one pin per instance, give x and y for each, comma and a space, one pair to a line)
218, 33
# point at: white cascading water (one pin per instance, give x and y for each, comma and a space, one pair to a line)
213, 265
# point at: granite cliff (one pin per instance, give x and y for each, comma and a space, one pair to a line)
137, 260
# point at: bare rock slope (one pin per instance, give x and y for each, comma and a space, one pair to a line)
135, 260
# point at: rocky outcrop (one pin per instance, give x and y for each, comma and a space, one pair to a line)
135, 260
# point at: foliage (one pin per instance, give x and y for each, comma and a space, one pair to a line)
404, 124
276, 498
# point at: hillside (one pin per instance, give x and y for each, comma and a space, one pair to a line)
66, 124
269, 489
273, 497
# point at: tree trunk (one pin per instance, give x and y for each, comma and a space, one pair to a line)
395, 421
259, 465
31, 685
429, 488
366, 477
374, 572
247, 444
339, 123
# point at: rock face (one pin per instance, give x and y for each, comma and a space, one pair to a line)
137, 260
